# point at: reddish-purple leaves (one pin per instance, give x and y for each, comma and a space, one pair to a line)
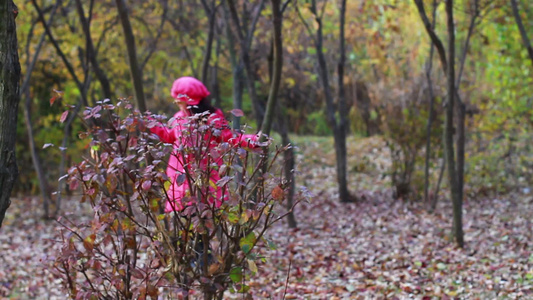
64, 116
146, 185
57, 95
88, 242
278, 194
237, 112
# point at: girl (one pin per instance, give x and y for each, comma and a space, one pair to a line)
190, 96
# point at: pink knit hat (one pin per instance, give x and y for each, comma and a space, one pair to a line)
189, 90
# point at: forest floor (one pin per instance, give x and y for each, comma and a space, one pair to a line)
377, 248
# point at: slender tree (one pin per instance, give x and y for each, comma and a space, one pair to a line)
25, 92
339, 131
281, 126
82, 88
344, 123
215, 86
461, 107
9, 100
245, 37
448, 64
461, 110
237, 70
431, 114
453, 176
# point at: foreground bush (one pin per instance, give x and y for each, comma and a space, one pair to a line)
131, 248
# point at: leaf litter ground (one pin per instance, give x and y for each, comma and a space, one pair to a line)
377, 248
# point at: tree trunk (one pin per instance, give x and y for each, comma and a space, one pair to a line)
9, 100
342, 130
435, 199
43, 183
276, 71
238, 76
448, 65
281, 126
460, 144
339, 136
461, 106
344, 124
214, 76
211, 14
522, 30
453, 178
362, 102
135, 71
289, 164
431, 108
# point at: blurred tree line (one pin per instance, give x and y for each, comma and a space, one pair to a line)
349, 67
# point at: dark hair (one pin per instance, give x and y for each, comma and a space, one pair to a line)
202, 106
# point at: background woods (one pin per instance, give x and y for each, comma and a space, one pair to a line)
360, 59
377, 78
424, 102
367, 68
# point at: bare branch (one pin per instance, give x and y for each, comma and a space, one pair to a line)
211, 14
135, 70
467, 41
153, 44
306, 25
91, 52
522, 30
61, 54
250, 34
284, 6
434, 38
236, 20
323, 9
107, 28
31, 66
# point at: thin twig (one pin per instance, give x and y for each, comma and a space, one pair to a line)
153, 44
284, 6
251, 30
287, 280
306, 25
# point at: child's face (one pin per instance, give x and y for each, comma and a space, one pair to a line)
182, 105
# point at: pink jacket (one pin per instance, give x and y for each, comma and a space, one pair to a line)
179, 188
